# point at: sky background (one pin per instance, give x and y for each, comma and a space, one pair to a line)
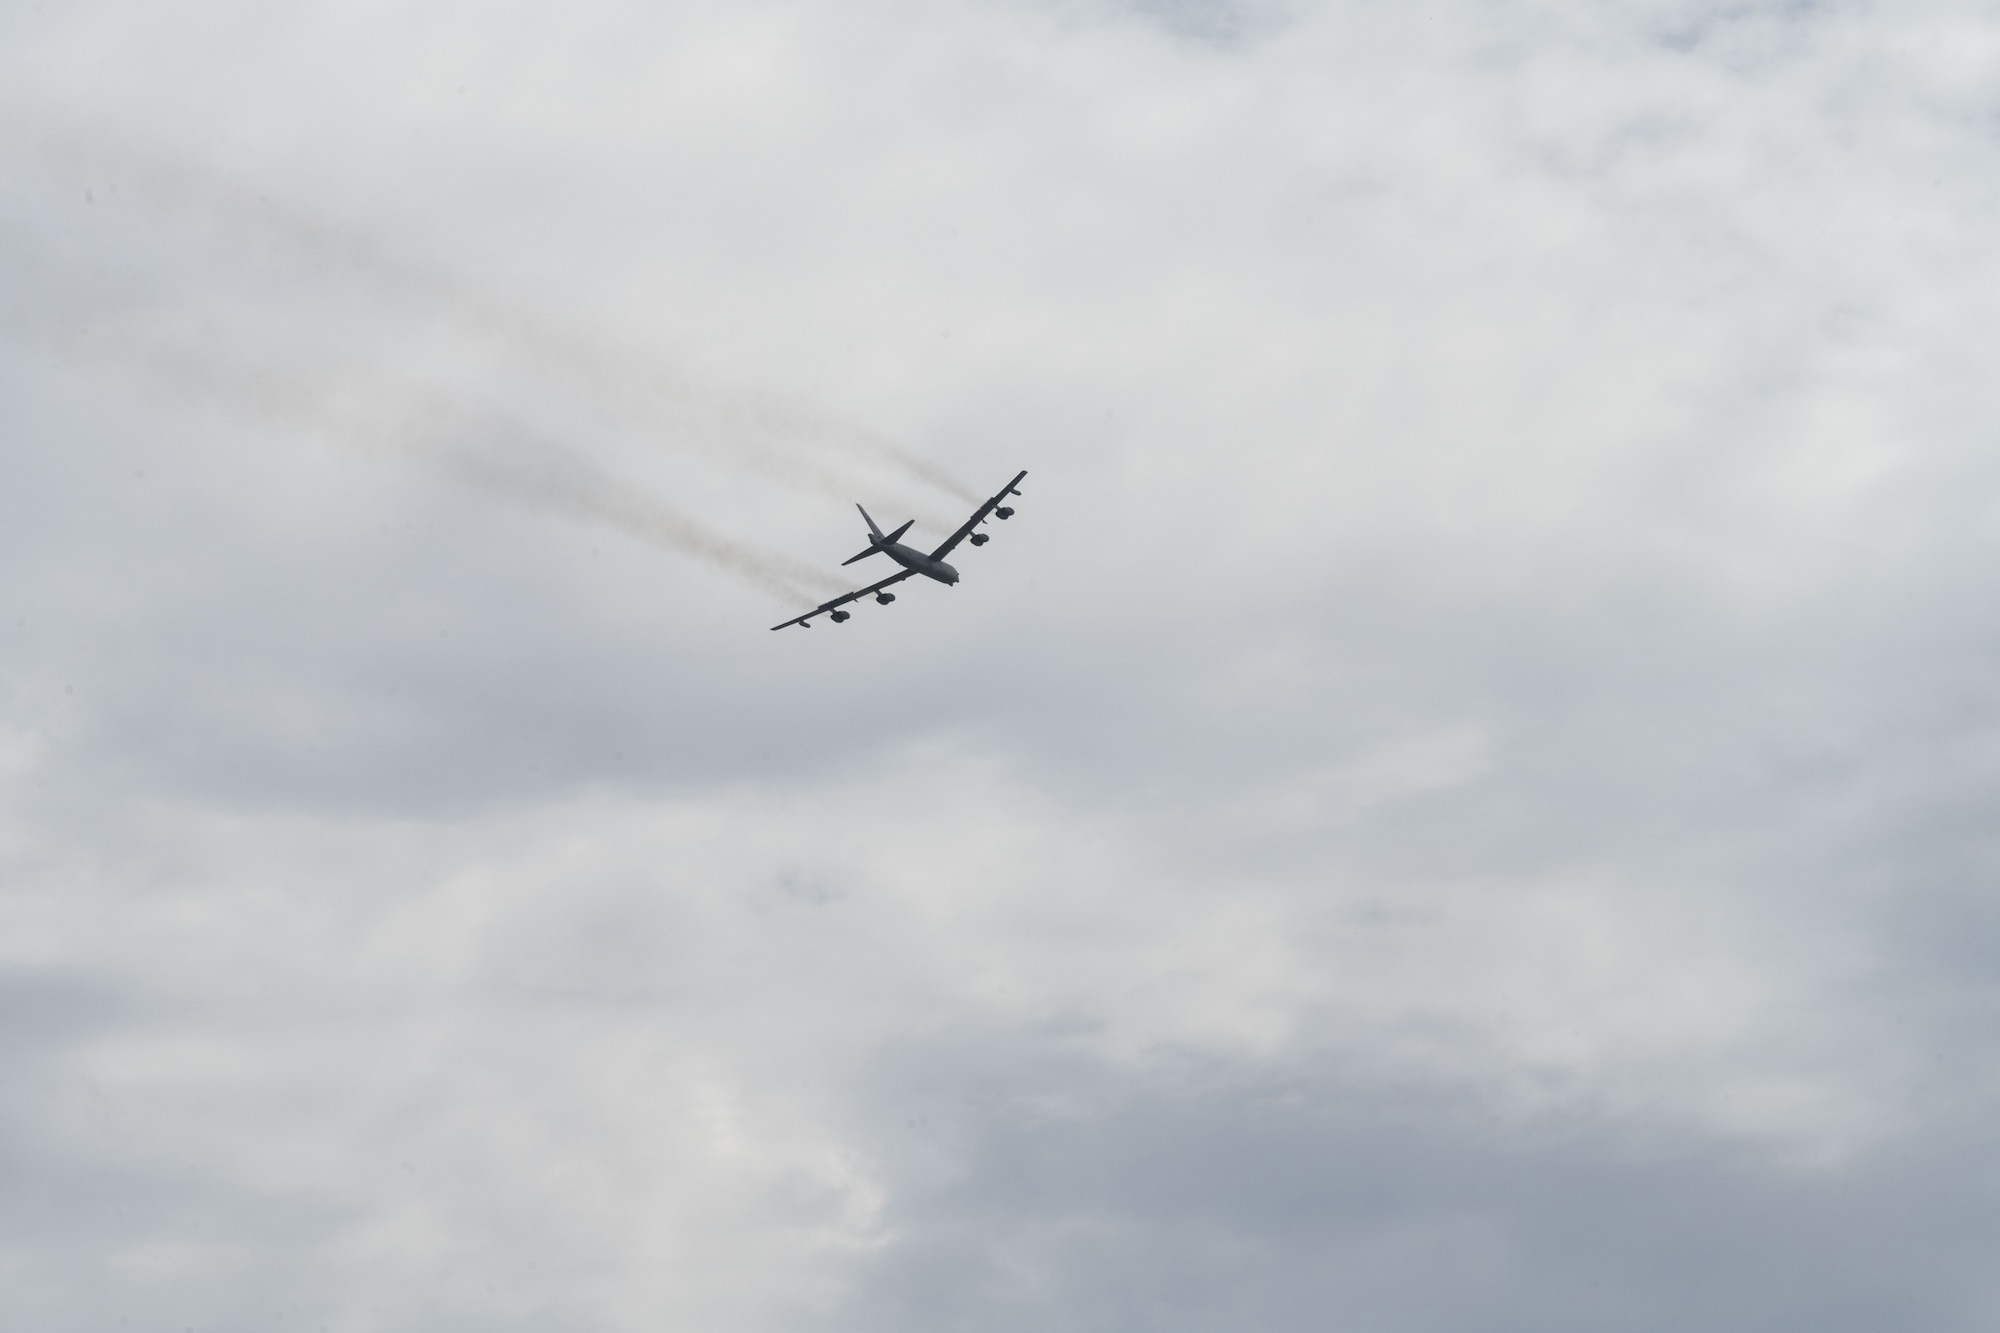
1464, 800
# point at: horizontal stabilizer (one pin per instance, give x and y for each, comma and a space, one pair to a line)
880, 539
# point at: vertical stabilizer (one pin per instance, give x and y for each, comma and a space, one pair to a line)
877, 532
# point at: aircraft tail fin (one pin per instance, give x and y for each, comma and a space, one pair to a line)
877, 539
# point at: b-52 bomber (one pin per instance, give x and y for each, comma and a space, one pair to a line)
913, 561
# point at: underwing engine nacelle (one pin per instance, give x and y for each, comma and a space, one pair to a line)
885, 597
1004, 512
839, 616
980, 539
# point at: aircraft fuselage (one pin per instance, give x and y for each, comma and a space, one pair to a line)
918, 563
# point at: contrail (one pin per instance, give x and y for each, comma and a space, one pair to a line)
377, 415
567, 483
748, 432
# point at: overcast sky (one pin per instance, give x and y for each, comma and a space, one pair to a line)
1464, 801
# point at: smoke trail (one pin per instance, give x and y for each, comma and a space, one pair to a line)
928, 471
748, 432
569, 484
499, 456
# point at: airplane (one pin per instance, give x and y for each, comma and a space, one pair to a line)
914, 562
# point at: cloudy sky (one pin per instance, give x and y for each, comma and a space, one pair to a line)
1459, 803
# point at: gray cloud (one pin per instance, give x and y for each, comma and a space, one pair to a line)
1285, 1206
1457, 802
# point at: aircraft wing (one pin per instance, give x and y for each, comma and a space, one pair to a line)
854, 596
978, 517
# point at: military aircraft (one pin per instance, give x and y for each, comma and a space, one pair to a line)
913, 561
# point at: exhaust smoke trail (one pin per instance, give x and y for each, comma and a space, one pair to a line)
569, 484
399, 419
744, 431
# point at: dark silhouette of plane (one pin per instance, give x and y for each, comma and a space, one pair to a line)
931, 566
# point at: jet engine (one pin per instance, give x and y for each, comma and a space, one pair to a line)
980, 539
839, 616
1004, 512
885, 597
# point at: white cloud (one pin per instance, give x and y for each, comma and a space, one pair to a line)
1464, 777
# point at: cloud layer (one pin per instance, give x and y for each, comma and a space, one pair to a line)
1458, 801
